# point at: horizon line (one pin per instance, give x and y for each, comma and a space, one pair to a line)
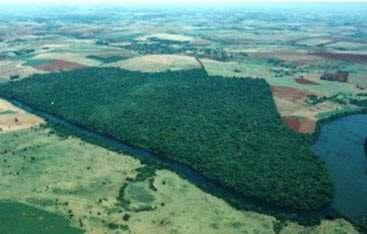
170, 3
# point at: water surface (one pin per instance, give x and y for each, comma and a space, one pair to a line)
341, 146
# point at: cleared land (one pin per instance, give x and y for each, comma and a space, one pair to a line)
9, 68
77, 58
59, 65
13, 118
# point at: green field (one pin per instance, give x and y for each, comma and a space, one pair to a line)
74, 183
18, 218
212, 124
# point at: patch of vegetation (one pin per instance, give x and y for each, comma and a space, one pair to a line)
32, 220
227, 129
361, 103
14, 77
136, 191
36, 62
158, 47
7, 112
339, 98
278, 226
109, 59
23, 52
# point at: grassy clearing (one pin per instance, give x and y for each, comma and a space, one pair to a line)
180, 207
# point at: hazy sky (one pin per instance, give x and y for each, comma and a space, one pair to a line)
169, 2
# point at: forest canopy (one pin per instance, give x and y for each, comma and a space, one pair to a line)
229, 130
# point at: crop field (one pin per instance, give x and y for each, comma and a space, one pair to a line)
292, 81
10, 68
235, 69
68, 57
13, 118
157, 63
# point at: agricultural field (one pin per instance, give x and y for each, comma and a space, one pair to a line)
286, 55
239, 94
13, 118
157, 63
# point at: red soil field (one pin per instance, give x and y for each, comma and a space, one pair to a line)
300, 124
289, 93
304, 81
59, 65
355, 58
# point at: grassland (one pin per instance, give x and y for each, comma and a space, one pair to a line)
32, 220
81, 182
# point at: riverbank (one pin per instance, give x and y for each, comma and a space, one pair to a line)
319, 124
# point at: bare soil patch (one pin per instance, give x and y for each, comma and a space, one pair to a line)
59, 65
14, 118
304, 81
300, 124
289, 93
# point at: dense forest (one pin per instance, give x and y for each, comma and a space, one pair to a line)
227, 129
